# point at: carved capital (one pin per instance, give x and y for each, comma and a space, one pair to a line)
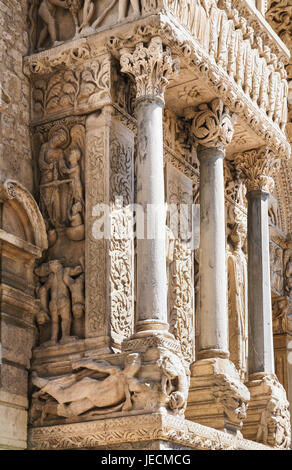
151, 67
257, 168
212, 125
268, 417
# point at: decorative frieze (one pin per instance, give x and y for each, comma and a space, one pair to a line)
133, 429
71, 91
109, 245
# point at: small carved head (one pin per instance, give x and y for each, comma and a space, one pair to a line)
59, 138
55, 266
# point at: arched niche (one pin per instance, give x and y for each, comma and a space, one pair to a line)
21, 216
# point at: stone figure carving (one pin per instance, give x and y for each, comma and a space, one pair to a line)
61, 188
51, 158
77, 290
237, 289
47, 12
274, 426
281, 310
55, 299
86, 390
288, 275
276, 268
234, 397
174, 382
123, 8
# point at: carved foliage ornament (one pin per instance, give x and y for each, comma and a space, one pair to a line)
257, 168
212, 125
151, 67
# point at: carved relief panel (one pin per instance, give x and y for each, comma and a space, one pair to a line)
109, 244
59, 163
70, 91
55, 21
180, 260
276, 262
236, 263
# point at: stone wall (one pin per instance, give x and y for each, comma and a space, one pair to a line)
15, 153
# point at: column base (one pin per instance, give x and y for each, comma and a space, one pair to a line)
152, 328
217, 397
268, 417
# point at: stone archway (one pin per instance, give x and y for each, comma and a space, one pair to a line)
22, 240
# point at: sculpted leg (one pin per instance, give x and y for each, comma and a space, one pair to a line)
74, 409
136, 6
65, 314
123, 5
43, 36
49, 20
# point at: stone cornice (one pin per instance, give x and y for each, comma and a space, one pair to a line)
192, 56
130, 429
262, 28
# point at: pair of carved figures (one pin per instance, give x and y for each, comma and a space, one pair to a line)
84, 9
102, 388
61, 189
61, 295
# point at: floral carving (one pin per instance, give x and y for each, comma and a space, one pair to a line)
151, 67
212, 125
87, 86
121, 242
95, 249
257, 168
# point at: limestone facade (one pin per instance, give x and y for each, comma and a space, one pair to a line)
129, 319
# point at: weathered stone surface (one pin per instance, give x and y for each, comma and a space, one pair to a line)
124, 105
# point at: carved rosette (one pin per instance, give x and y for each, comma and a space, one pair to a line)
212, 125
257, 168
151, 67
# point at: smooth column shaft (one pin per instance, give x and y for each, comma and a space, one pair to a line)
261, 349
151, 256
213, 321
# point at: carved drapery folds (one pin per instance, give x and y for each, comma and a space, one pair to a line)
60, 164
257, 168
237, 288
212, 124
151, 67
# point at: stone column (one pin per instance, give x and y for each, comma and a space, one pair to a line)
151, 67
217, 397
268, 418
